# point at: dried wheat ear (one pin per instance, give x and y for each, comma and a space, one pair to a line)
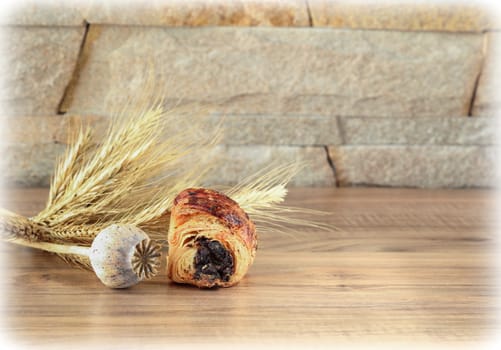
124, 183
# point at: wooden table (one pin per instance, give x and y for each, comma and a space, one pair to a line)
403, 266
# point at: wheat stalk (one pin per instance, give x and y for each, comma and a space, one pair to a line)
131, 177
261, 195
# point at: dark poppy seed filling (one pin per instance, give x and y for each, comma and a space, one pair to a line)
212, 261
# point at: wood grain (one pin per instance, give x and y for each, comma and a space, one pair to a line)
402, 265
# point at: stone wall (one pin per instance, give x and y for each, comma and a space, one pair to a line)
380, 93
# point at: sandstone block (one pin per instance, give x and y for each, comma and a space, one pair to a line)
425, 15
234, 163
280, 130
44, 13
201, 13
419, 131
415, 166
32, 129
238, 130
487, 98
29, 165
282, 71
33, 165
38, 65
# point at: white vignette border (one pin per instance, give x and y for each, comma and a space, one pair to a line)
493, 342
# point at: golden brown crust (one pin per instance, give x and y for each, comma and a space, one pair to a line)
219, 205
204, 225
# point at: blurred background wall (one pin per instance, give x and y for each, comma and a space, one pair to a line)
385, 93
